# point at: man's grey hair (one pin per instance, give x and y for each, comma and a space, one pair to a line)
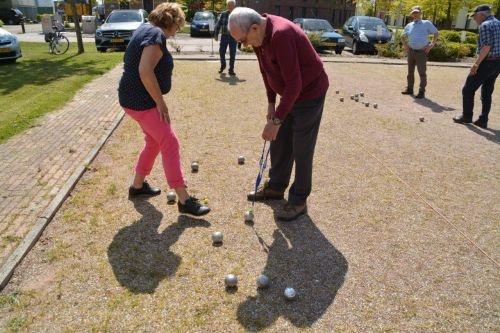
244, 18
231, 1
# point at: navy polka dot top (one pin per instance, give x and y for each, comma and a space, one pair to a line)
131, 92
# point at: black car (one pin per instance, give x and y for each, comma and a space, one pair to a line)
200, 25
362, 33
11, 16
329, 36
118, 28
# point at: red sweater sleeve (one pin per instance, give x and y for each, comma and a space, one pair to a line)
285, 47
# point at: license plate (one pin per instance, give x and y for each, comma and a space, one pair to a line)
330, 44
117, 40
4, 50
203, 29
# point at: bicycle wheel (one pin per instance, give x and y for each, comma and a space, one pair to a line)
59, 45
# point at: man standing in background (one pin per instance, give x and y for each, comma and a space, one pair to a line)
226, 39
417, 47
486, 68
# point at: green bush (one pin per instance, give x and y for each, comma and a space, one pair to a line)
389, 50
450, 35
316, 41
447, 51
472, 49
246, 49
470, 37
1, 23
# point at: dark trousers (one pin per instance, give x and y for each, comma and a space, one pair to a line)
485, 78
226, 40
295, 142
417, 58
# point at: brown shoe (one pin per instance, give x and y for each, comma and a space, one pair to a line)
265, 193
291, 212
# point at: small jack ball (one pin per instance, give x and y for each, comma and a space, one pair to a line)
262, 282
375, 105
195, 167
337, 92
290, 293
241, 160
422, 119
341, 99
249, 216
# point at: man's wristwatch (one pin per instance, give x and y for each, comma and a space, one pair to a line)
276, 121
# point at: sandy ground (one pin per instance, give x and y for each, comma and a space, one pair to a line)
371, 255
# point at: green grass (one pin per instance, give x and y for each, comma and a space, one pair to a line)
41, 82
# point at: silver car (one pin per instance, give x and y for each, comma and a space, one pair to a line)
118, 28
10, 49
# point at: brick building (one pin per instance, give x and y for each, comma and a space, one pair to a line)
334, 11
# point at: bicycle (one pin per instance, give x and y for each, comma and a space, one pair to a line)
58, 43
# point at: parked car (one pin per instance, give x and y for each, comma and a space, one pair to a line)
118, 28
332, 40
200, 25
363, 32
11, 16
10, 49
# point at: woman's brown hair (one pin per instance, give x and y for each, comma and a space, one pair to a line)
167, 14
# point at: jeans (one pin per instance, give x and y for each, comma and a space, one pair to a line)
226, 40
485, 78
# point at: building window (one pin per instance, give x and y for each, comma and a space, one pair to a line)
290, 13
304, 12
315, 12
277, 10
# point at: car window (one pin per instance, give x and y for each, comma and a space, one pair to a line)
317, 25
349, 21
371, 23
117, 17
203, 16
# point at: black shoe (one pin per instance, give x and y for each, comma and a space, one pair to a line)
481, 123
407, 91
146, 189
232, 73
420, 94
222, 69
462, 120
192, 206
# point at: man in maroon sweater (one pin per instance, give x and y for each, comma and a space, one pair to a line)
292, 69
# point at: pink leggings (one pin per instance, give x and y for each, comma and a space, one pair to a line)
159, 137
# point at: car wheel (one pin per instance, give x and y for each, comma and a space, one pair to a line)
101, 49
355, 49
339, 51
10, 22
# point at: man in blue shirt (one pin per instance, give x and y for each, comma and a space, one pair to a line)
486, 68
417, 47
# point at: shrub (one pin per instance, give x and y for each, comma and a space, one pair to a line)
246, 49
450, 35
470, 37
472, 49
446, 51
389, 50
1, 23
316, 41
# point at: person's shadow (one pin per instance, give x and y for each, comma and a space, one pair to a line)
434, 106
139, 254
232, 80
489, 133
300, 257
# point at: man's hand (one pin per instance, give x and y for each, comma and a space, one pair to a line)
270, 131
428, 48
163, 111
270, 111
473, 69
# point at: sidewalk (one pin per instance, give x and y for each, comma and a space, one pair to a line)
36, 164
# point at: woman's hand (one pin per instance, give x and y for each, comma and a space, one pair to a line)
163, 111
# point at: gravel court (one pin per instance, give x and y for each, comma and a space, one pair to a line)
370, 256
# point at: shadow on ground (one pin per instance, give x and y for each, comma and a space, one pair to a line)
434, 106
300, 257
139, 254
232, 80
489, 133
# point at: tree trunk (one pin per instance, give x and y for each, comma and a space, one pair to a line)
448, 15
77, 27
